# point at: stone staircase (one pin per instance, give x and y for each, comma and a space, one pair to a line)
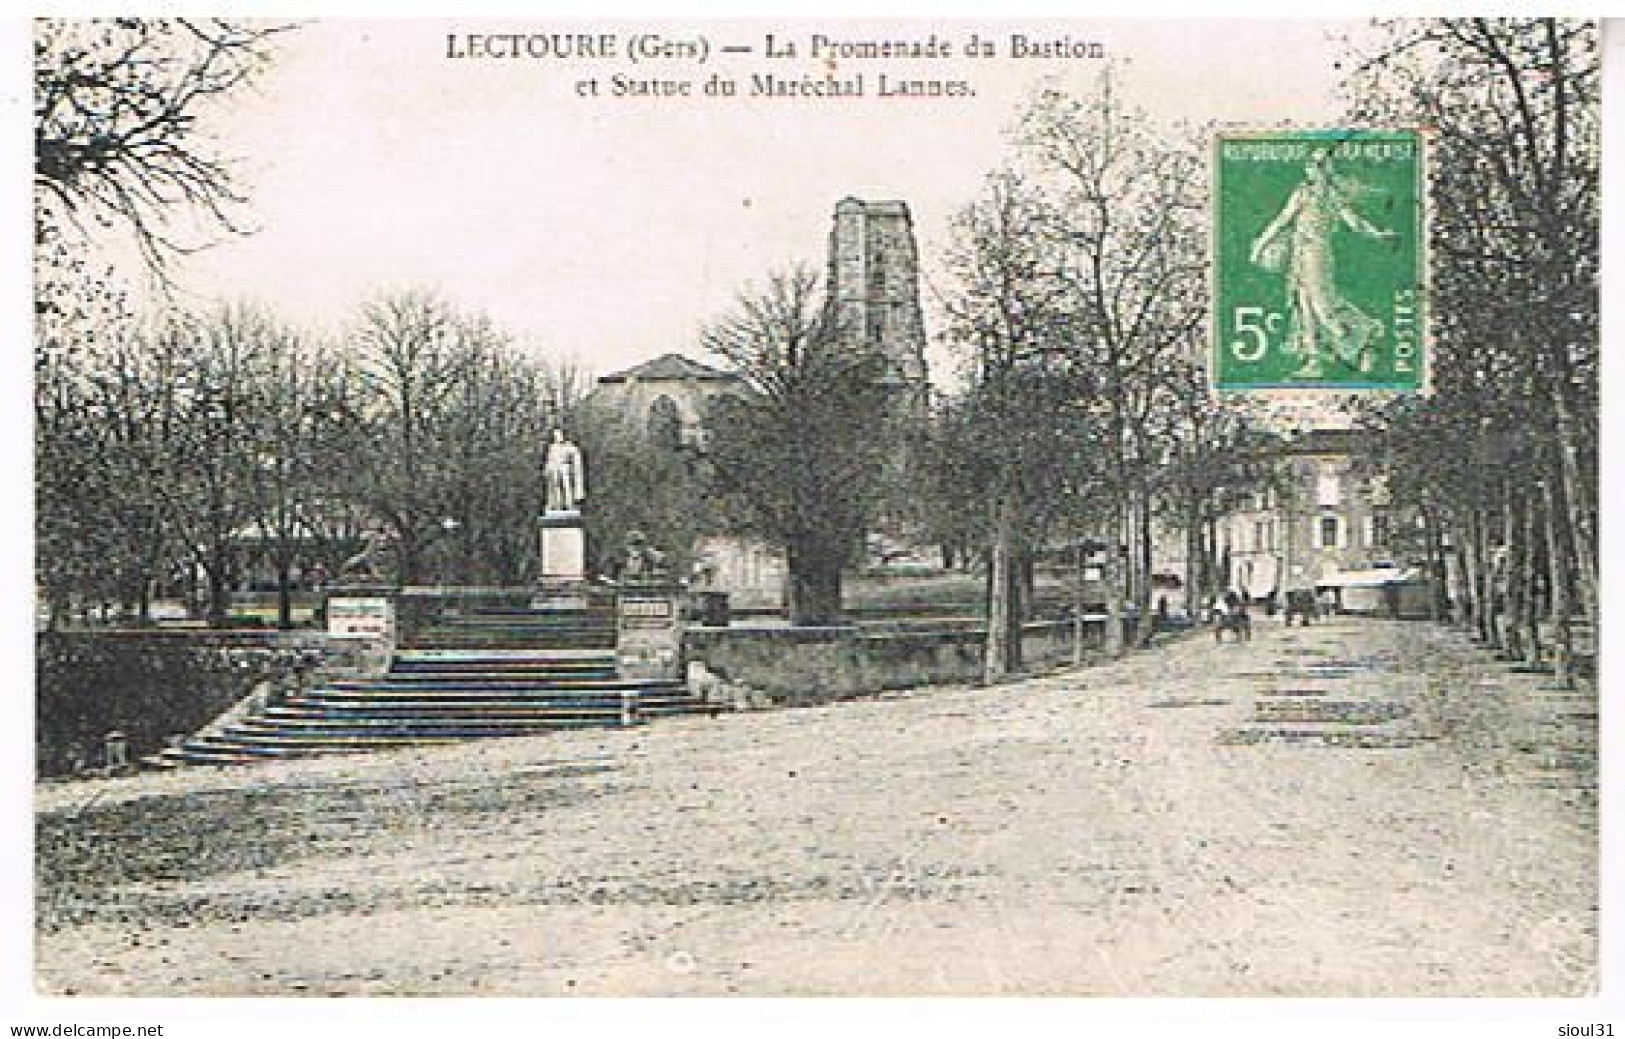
474, 672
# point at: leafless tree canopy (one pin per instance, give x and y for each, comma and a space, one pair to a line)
117, 135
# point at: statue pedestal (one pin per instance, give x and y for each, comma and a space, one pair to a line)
563, 548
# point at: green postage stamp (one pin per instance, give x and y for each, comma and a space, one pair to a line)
1319, 260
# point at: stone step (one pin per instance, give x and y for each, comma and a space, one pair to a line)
608, 714
283, 729
281, 734
443, 665
226, 751
478, 685
234, 752
547, 625
351, 706
476, 672
474, 658
446, 638
288, 739
526, 622
535, 678
196, 752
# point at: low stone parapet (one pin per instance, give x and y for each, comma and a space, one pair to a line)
817, 664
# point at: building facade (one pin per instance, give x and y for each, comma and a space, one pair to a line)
666, 400
1326, 513
666, 396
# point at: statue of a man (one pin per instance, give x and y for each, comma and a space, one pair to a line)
564, 474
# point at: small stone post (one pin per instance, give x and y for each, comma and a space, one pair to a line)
116, 751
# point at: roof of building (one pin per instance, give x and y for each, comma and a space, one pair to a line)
670, 367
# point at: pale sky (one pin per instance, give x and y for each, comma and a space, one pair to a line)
609, 230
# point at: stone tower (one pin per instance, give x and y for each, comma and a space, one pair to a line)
874, 289
874, 286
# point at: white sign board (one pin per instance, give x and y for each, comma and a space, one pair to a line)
361, 618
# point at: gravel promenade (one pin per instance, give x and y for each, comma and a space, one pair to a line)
1358, 808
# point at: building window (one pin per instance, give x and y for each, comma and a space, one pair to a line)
665, 422
1261, 536
1330, 532
1377, 530
1328, 486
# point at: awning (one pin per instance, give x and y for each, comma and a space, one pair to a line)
1374, 578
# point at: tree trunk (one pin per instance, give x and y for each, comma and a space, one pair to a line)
1019, 596
1576, 496
1142, 601
1028, 572
194, 594
1114, 600
1193, 553
1484, 590
59, 603
1512, 574
129, 589
1210, 569
219, 593
1528, 616
1079, 594
1468, 568
284, 593
998, 658
815, 586
1472, 577
1437, 592
409, 558
1557, 557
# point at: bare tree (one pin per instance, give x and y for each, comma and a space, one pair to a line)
298, 441
209, 487
447, 413
802, 456
1009, 441
409, 374
118, 139
83, 325
1128, 204
1505, 454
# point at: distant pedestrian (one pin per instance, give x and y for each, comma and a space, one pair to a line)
1230, 614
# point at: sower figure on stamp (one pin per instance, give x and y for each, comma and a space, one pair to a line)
564, 475
1323, 323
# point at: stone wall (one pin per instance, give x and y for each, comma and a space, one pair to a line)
815, 665
149, 685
